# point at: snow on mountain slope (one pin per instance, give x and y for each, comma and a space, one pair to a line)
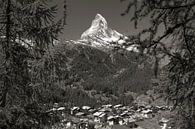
99, 35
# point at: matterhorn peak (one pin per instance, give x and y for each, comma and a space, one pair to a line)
99, 21
100, 35
98, 24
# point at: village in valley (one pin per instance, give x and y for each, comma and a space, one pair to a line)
136, 116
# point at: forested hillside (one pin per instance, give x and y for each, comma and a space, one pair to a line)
82, 72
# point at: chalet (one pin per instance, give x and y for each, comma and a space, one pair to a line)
121, 121
61, 109
52, 110
162, 108
69, 124
103, 118
124, 114
118, 106
164, 123
99, 116
96, 116
147, 111
163, 120
131, 123
107, 106
124, 108
85, 108
74, 110
113, 120
110, 120
80, 114
92, 110
105, 110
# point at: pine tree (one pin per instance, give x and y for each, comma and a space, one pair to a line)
171, 35
27, 31
28, 24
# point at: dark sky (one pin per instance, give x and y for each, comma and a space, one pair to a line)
82, 12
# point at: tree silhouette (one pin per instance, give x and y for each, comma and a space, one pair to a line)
27, 31
170, 34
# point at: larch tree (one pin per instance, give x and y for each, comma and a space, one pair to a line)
170, 33
28, 29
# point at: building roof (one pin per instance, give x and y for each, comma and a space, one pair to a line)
53, 109
79, 114
164, 120
61, 108
147, 111
117, 106
97, 113
75, 108
107, 106
86, 107
105, 110
110, 118
102, 115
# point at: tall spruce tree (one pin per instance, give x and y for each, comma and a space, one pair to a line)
171, 34
30, 25
28, 29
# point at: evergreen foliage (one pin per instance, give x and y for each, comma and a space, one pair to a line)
27, 32
171, 34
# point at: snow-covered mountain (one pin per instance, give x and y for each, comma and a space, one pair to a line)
99, 35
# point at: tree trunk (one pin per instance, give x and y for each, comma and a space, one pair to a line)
7, 50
